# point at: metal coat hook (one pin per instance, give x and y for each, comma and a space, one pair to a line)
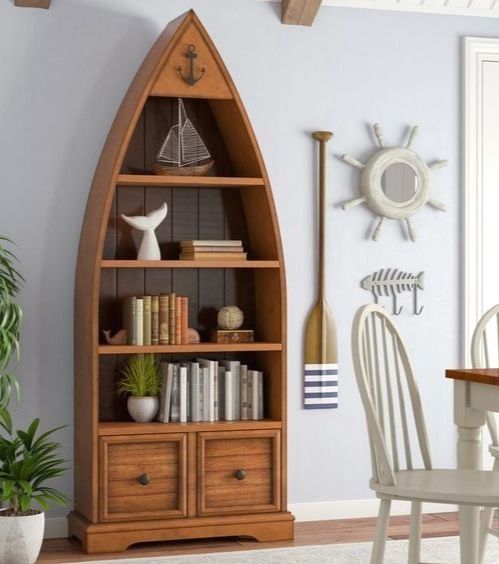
417, 311
395, 310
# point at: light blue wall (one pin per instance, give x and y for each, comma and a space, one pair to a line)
62, 76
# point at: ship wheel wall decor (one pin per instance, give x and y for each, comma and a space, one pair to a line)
395, 182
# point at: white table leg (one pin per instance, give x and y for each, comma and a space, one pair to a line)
469, 456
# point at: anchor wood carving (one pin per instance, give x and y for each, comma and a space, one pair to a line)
191, 55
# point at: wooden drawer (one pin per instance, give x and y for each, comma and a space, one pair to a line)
224, 490
158, 461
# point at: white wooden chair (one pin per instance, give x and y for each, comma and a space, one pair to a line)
485, 354
389, 393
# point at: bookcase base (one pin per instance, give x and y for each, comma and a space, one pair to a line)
117, 537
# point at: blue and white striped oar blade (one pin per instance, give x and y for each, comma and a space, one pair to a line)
321, 386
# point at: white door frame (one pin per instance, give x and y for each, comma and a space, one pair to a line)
477, 50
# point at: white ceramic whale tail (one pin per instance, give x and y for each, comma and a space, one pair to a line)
149, 248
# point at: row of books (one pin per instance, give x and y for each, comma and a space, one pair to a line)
212, 250
156, 320
210, 390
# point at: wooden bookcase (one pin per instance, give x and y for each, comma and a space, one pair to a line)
193, 491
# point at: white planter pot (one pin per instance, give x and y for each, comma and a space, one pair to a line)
21, 538
143, 409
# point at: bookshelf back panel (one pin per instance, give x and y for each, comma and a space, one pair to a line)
158, 116
193, 213
113, 408
207, 290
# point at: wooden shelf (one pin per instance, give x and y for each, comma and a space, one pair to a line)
188, 181
197, 348
131, 428
190, 264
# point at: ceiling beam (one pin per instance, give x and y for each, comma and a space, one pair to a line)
299, 12
33, 3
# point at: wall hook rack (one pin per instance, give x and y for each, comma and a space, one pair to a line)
392, 282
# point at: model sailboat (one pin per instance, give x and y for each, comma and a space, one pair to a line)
183, 152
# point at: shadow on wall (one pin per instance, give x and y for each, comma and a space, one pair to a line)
82, 60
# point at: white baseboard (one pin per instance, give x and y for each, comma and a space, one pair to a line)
355, 508
57, 527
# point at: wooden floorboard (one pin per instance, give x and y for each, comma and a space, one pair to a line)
62, 551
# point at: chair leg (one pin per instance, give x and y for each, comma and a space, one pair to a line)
485, 524
415, 533
378, 551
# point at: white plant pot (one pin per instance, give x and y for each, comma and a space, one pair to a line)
21, 538
143, 409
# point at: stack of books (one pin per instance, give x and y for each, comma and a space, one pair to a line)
210, 390
156, 320
212, 250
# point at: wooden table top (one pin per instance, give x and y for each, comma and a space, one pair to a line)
479, 375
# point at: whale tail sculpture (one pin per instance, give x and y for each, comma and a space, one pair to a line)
149, 248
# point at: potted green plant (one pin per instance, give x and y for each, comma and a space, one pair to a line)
141, 380
27, 462
10, 325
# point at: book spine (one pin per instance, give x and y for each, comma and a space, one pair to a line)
155, 320
183, 394
253, 374
162, 397
201, 393
206, 394
211, 393
164, 322
147, 320
184, 319
229, 412
139, 321
260, 395
178, 315
244, 392
194, 370
250, 394
169, 387
171, 319
236, 371
221, 393
211, 243
188, 394
129, 313
175, 398
216, 405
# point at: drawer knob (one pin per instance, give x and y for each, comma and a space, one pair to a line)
240, 474
144, 479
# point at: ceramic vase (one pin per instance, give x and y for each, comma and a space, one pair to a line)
143, 409
21, 538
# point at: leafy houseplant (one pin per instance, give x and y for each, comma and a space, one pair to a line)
141, 380
10, 324
27, 460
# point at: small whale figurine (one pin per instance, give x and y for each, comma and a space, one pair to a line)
149, 248
119, 338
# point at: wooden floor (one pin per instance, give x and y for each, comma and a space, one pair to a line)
312, 533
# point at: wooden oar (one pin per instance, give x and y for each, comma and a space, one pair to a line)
321, 363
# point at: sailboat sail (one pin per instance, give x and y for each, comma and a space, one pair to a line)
183, 145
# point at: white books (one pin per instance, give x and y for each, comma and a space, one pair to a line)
260, 395
253, 378
229, 403
216, 405
234, 366
182, 370
206, 393
209, 376
139, 321
162, 396
221, 393
201, 393
244, 392
195, 391
175, 399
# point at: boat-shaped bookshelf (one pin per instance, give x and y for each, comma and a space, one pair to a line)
161, 121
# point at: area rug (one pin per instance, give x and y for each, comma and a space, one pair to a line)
438, 550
